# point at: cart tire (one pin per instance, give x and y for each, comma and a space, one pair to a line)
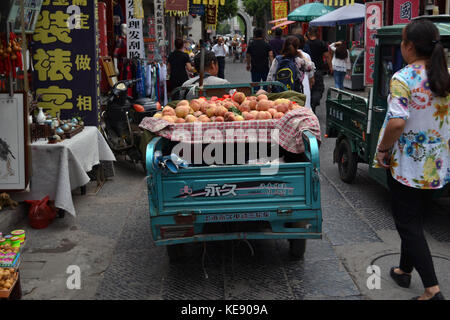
297, 248
347, 161
175, 252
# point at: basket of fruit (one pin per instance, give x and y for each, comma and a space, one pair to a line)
8, 279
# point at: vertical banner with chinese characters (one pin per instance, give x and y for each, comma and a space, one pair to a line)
211, 17
151, 39
405, 10
159, 27
65, 56
135, 37
373, 21
279, 9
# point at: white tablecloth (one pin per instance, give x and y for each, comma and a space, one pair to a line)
60, 168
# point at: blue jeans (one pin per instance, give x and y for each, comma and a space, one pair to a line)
339, 79
258, 77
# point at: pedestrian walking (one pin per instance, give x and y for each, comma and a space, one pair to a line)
308, 79
243, 47
413, 147
277, 42
340, 63
178, 65
318, 50
221, 51
299, 34
259, 55
290, 66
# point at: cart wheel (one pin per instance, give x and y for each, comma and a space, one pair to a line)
297, 248
347, 162
175, 252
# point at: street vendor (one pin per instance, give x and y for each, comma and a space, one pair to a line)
211, 71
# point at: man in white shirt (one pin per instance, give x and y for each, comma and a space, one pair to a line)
221, 51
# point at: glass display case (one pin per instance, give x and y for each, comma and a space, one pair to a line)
355, 80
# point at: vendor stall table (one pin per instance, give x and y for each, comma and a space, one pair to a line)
62, 167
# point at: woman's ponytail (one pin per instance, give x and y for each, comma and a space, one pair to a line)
437, 71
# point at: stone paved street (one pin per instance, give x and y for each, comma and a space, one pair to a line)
110, 241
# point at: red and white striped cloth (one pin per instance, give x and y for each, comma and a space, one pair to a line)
287, 131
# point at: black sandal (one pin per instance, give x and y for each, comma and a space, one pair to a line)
437, 296
403, 280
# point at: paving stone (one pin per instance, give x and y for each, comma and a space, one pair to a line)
326, 278
343, 226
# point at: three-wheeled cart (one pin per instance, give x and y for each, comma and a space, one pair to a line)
249, 200
356, 121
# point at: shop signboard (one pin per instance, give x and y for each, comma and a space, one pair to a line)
294, 4
211, 16
177, 7
198, 9
135, 37
373, 21
66, 59
279, 9
405, 10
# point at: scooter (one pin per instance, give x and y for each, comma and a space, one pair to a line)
120, 119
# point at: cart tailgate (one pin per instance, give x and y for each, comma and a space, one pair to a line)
230, 188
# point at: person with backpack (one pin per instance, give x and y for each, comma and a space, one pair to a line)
290, 66
341, 63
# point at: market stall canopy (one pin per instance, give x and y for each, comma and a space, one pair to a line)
285, 23
308, 12
344, 15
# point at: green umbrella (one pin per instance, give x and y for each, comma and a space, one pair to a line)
309, 11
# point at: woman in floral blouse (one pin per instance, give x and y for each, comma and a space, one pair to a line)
414, 145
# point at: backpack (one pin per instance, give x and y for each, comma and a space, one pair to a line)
288, 74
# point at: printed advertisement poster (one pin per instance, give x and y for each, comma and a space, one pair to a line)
373, 21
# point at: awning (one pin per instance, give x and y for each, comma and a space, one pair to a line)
278, 20
344, 15
285, 23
